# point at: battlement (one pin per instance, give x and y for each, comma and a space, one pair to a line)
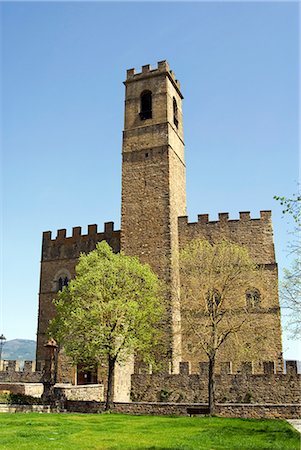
254, 233
70, 247
226, 368
12, 371
77, 232
148, 71
263, 382
244, 216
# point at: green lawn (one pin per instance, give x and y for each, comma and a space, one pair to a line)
113, 431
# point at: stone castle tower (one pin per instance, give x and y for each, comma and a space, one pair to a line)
153, 181
154, 225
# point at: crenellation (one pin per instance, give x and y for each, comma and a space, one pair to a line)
223, 217
291, 367
29, 366
47, 236
11, 373
92, 230
61, 234
146, 68
130, 73
76, 232
238, 387
265, 215
163, 66
202, 218
109, 228
185, 367
244, 216
13, 366
269, 367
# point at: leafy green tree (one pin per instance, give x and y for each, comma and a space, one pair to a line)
109, 311
214, 280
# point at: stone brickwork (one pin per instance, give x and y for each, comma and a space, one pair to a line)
243, 386
59, 258
254, 411
92, 392
153, 184
32, 389
10, 372
257, 236
154, 227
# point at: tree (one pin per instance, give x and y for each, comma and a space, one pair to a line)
110, 310
290, 287
214, 281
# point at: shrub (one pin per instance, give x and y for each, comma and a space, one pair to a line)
22, 399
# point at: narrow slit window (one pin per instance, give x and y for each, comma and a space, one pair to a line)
175, 113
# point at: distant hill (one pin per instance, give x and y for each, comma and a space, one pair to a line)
20, 349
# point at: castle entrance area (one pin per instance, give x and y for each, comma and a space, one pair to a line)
85, 376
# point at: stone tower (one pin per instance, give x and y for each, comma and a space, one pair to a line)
153, 182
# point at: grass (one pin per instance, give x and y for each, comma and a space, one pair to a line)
116, 431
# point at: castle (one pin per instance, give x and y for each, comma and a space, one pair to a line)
154, 225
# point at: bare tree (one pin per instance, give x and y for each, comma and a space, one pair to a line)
290, 286
216, 279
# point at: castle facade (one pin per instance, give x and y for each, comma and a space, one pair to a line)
154, 225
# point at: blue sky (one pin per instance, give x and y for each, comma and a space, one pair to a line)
62, 103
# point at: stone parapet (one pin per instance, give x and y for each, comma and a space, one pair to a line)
63, 246
243, 386
11, 372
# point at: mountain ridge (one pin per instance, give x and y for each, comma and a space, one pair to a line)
19, 349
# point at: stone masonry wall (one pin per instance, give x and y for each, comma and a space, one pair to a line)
81, 393
60, 256
257, 236
255, 411
10, 372
246, 387
153, 185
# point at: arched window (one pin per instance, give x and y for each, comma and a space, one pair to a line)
61, 279
62, 282
146, 105
253, 298
213, 299
175, 113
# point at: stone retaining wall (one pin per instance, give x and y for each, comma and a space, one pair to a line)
24, 408
88, 392
33, 389
285, 411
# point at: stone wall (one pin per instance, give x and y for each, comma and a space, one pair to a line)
10, 372
59, 258
268, 411
32, 389
261, 333
243, 387
91, 392
24, 408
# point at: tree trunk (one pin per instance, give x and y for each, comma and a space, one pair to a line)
110, 385
211, 385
